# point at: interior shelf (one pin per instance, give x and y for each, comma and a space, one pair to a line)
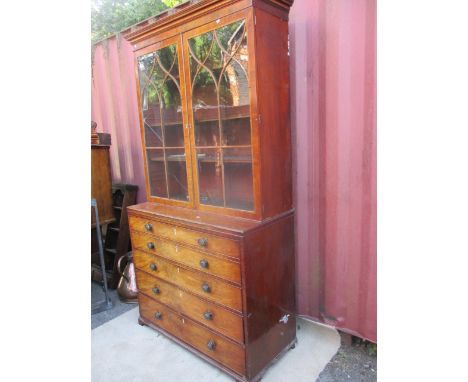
213, 118
169, 158
225, 147
166, 123
226, 159
208, 114
165, 147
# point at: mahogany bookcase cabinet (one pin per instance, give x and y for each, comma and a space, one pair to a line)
214, 244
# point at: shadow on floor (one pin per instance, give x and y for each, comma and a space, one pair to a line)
97, 294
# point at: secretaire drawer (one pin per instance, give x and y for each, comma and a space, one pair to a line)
200, 310
201, 240
221, 267
194, 281
214, 346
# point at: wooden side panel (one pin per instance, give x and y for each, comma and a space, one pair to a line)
270, 292
101, 183
219, 319
201, 261
193, 281
272, 62
223, 351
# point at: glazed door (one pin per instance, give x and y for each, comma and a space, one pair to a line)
217, 59
166, 142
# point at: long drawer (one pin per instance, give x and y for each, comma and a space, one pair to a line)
200, 310
208, 242
214, 346
191, 280
204, 262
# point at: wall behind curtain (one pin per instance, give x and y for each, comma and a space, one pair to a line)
333, 90
333, 96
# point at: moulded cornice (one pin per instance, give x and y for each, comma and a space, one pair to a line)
186, 12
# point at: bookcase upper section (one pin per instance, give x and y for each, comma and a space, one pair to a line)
213, 91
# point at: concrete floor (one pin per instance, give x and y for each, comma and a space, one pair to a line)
97, 295
118, 344
122, 350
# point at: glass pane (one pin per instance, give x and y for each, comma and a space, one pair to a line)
153, 136
234, 85
221, 113
207, 133
238, 178
239, 192
236, 132
237, 155
210, 176
177, 174
163, 123
205, 110
156, 172
174, 135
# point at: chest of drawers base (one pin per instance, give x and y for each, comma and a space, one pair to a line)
237, 377
221, 287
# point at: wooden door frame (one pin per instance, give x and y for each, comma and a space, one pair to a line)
247, 15
174, 40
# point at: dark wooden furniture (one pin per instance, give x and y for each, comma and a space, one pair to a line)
101, 191
213, 246
117, 240
101, 182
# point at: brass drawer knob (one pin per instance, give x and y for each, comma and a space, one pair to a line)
203, 242
211, 345
204, 263
158, 315
206, 288
150, 245
156, 290
208, 315
153, 266
148, 227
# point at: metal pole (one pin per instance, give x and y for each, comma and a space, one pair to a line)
107, 303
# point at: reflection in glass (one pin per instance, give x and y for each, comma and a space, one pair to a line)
235, 133
177, 174
221, 114
156, 172
163, 124
207, 133
209, 168
153, 136
238, 178
174, 135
